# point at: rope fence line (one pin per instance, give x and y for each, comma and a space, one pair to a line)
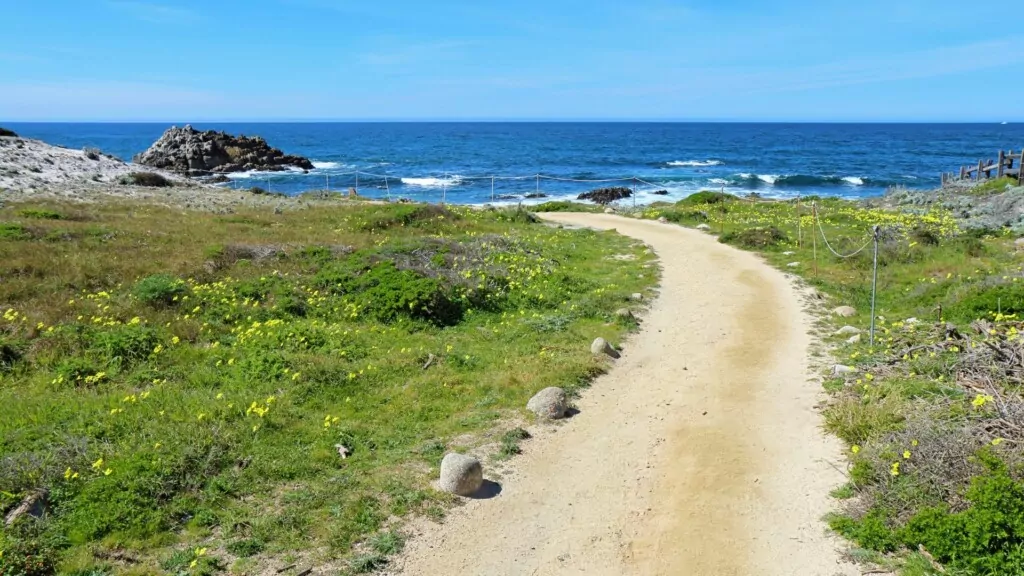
814, 210
456, 179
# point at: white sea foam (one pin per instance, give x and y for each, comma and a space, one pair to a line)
695, 163
719, 181
431, 182
853, 180
326, 165
768, 178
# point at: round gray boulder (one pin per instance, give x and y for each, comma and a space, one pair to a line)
847, 330
461, 474
625, 314
549, 403
601, 346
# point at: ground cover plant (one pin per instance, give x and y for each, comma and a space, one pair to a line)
933, 413
193, 393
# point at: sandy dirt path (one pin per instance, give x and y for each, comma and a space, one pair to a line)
699, 454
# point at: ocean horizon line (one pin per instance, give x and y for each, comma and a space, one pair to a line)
522, 121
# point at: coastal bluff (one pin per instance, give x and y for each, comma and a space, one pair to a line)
200, 153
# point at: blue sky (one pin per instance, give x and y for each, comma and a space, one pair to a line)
761, 60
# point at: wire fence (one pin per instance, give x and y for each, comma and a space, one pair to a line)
445, 181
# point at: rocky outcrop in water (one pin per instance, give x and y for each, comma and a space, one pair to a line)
606, 195
189, 151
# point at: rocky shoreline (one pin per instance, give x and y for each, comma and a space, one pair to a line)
975, 206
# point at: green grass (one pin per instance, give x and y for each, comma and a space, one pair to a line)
180, 382
993, 186
934, 459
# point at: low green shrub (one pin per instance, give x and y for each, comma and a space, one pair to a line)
510, 442
10, 231
10, 353
756, 238
245, 547
706, 197
389, 293
120, 346
561, 206
993, 186
987, 537
150, 179
264, 192
40, 214
159, 289
981, 301
385, 217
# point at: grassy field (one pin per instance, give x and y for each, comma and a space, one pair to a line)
179, 385
933, 415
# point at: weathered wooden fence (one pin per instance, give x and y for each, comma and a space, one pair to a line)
1007, 164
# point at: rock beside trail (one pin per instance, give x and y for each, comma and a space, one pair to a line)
840, 369
625, 314
703, 227
35, 505
606, 195
847, 330
844, 311
189, 151
662, 219
461, 474
549, 403
853, 339
601, 346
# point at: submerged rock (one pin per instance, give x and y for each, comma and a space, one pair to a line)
189, 151
606, 195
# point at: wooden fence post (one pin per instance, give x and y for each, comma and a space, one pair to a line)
963, 172
981, 164
1002, 159
1020, 169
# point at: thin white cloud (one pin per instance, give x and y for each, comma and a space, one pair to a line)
153, 12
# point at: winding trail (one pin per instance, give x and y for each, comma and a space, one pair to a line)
699, 454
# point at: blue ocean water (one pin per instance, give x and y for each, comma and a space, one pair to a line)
427, 160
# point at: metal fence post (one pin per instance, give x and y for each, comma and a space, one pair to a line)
874, 287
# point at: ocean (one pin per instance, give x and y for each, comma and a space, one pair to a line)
473, 163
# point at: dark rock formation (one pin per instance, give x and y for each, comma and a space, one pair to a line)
7, 133
189, 151
606, 195
532, 195
660, 192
